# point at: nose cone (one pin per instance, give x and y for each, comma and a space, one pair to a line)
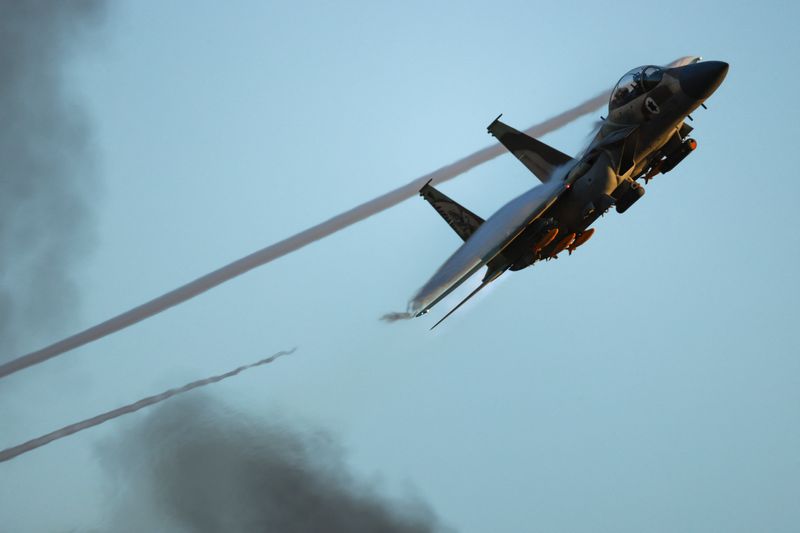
702, 79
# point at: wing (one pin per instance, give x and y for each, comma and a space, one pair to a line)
538, 157
485, 244
463, 221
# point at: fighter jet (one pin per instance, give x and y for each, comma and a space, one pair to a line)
644, 134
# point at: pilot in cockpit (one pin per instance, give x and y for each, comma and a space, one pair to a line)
635, 83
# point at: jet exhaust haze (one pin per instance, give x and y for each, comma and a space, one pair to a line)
196, 465
394, 316
14, 451
46, 168
291, 244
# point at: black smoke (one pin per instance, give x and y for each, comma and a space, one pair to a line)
47, 177
193, 465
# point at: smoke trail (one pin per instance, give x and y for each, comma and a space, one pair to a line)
14, 451
46, 173
286, 246
192, 465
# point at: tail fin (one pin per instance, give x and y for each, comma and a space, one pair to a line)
540, 158
462, 220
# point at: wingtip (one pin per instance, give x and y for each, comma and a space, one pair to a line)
489, 127
427, 183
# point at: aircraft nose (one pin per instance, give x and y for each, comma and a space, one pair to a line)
701, 79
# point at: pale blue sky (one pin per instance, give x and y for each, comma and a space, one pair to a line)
650, 382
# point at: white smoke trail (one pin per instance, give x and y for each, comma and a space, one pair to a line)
286, 246
14, 451
295, 242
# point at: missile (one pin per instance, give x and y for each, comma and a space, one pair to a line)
545, 240
562, 244
656, 169
687, 147
580, 239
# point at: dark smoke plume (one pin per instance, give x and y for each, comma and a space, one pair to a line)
46, 174
195, 466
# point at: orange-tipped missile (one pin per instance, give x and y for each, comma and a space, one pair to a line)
563, 243
544, 241
656, 169
580, 239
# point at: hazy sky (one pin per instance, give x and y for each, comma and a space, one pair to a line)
649, 382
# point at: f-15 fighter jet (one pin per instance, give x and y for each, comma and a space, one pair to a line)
643, 135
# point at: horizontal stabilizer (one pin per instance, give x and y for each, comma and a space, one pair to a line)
540, 158
485, 282
488, 240
463, 221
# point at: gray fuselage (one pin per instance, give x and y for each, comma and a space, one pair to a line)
644, 128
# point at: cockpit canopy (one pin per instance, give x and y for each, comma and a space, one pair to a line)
635, 83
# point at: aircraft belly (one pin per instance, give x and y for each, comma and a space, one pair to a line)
487, 241
589, 190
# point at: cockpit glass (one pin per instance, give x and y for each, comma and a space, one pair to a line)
635, 83
651, 76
